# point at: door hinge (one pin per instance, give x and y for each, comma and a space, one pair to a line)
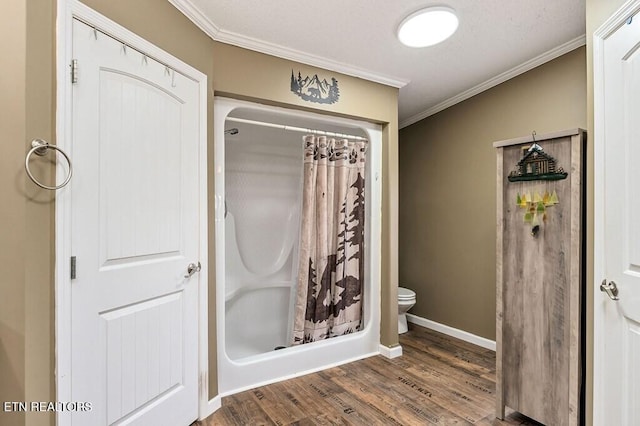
74, 71
73, 267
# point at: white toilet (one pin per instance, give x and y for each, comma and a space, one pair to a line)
406, 300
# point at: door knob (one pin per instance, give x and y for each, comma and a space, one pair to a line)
192, 268
611, 289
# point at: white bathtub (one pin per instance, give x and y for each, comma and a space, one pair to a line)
257, 185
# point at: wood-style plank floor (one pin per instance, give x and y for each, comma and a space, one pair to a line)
438, 380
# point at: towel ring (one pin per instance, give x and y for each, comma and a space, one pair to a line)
40, 147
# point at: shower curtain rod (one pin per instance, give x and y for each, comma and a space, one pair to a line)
295, 129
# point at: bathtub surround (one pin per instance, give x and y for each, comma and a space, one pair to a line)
259, 175
235, 76
332, 256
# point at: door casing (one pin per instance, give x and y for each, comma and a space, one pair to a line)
67, 11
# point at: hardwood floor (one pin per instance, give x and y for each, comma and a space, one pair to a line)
438, 380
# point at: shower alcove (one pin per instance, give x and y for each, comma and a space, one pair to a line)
258, 194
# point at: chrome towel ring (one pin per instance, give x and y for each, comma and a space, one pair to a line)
40, 147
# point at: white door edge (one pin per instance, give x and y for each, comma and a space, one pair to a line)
68, 10
627, 10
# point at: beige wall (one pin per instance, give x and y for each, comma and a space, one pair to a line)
448, 188
27, 255
12, 231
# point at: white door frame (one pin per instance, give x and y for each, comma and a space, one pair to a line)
629, 9
67, 10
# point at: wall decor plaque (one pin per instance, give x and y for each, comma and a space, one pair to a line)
313, 89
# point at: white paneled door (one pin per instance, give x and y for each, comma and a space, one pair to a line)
134, 225
617, 300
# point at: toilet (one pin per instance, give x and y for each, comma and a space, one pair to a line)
406, 300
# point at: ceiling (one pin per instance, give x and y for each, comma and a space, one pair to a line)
496, 40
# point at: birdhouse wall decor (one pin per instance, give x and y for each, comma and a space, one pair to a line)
536, 165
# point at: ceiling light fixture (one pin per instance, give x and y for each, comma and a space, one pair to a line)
427, 27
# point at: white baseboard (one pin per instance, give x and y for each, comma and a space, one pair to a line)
453, 332
211, 407
391, 352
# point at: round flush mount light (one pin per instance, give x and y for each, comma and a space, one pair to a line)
427, 27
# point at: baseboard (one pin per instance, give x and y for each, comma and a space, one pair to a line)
390, 352
453, 332
210, 407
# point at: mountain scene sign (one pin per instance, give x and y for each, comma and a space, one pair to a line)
313, 89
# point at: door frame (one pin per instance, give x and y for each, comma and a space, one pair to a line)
67, 10
615, 21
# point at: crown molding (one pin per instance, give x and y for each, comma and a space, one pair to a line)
218, 34
306, 58
500, 78
196, 16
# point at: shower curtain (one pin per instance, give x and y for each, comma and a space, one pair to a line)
331, 265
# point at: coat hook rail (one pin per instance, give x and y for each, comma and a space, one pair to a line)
40, 147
